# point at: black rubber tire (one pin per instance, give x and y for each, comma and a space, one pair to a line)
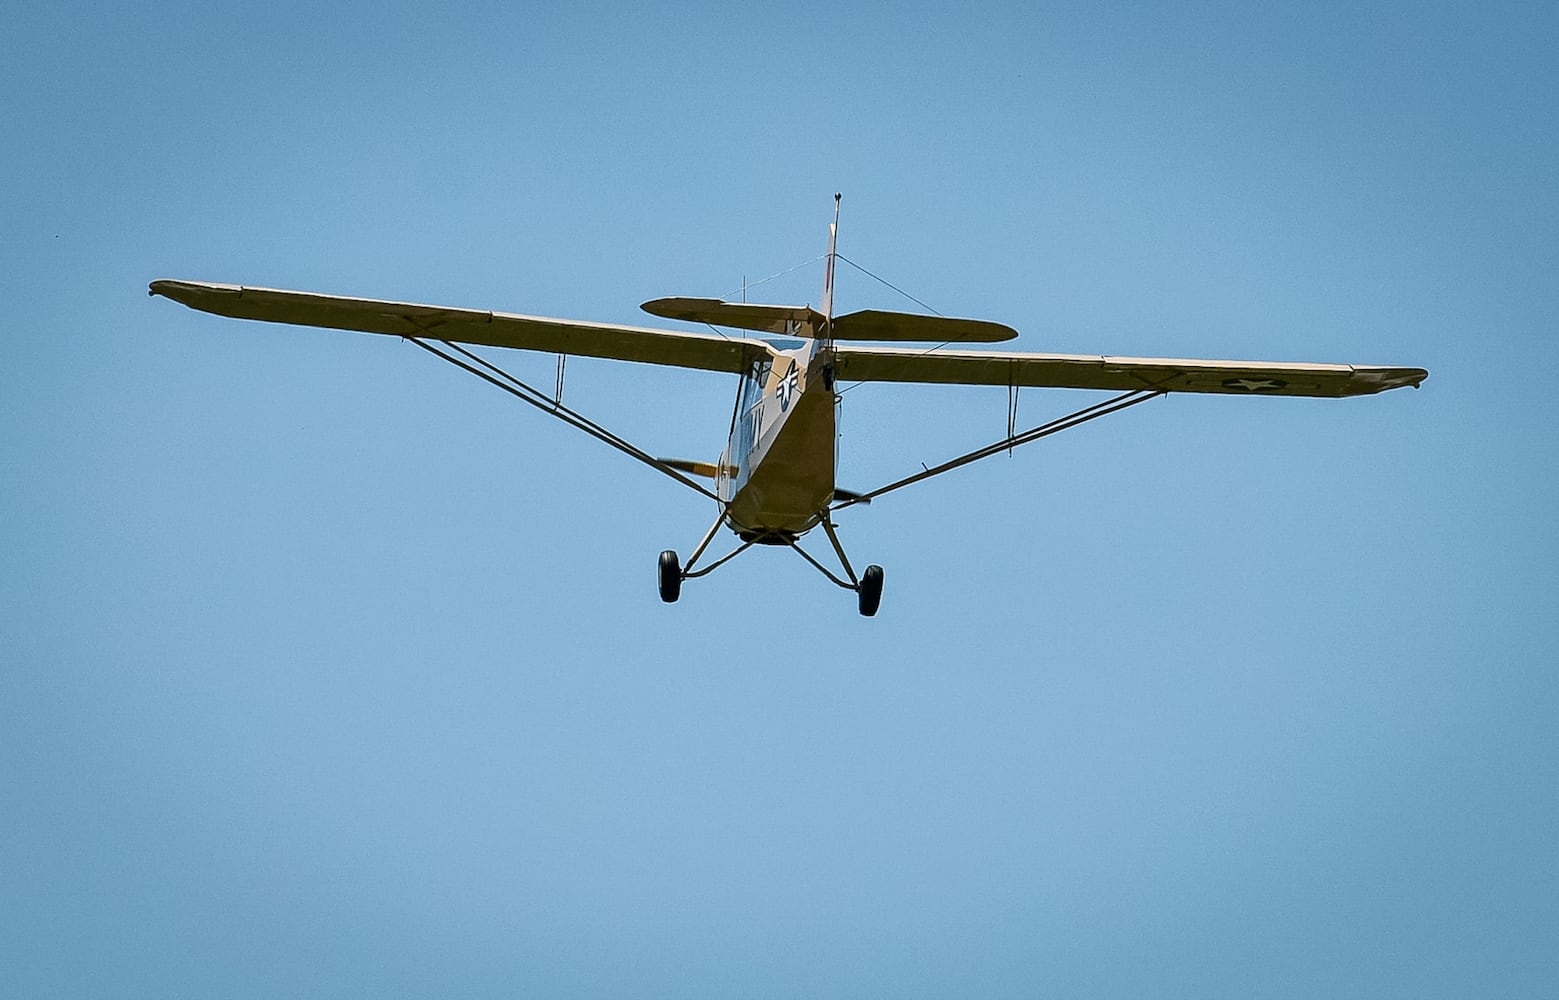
870, 593
670, 577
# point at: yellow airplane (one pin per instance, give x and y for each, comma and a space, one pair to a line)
775, 480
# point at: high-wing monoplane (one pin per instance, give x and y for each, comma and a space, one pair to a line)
775, 481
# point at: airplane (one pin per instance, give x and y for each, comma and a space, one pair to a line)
775, 480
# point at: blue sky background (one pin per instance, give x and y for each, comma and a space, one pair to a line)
327, 670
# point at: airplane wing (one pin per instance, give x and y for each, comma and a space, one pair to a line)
1088, 371
468, 326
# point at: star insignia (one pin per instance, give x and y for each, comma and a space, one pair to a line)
1254, 384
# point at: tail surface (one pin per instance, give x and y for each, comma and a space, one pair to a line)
828, 273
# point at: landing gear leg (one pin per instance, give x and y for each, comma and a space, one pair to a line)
867, 587
672, 572
670, 577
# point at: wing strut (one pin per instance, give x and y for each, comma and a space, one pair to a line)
489, 372
1112, 405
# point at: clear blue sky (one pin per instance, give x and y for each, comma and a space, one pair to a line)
326, 670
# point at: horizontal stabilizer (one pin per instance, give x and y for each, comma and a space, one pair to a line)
868, 324
708, 470
741, 315
875, 324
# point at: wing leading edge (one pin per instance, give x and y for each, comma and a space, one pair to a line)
468, 326
1087, 371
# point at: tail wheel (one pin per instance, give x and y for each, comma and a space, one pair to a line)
870, 592
671, 577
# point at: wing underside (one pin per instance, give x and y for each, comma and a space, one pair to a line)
735, 354
1074, 371
468, 326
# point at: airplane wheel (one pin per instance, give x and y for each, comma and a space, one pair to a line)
670, 577
871, 590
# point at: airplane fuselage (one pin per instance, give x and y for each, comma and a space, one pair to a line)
777, 473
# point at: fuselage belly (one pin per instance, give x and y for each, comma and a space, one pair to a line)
783, 450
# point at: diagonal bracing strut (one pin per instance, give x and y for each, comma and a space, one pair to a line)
1103, 408
553, 405
491, 373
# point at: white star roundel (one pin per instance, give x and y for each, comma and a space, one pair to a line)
1255, 384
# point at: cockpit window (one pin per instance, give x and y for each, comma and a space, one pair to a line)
757, 379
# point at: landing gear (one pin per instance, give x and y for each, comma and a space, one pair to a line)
671, 577
870, 591
867, 586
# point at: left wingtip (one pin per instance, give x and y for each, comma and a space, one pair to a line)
188, 292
